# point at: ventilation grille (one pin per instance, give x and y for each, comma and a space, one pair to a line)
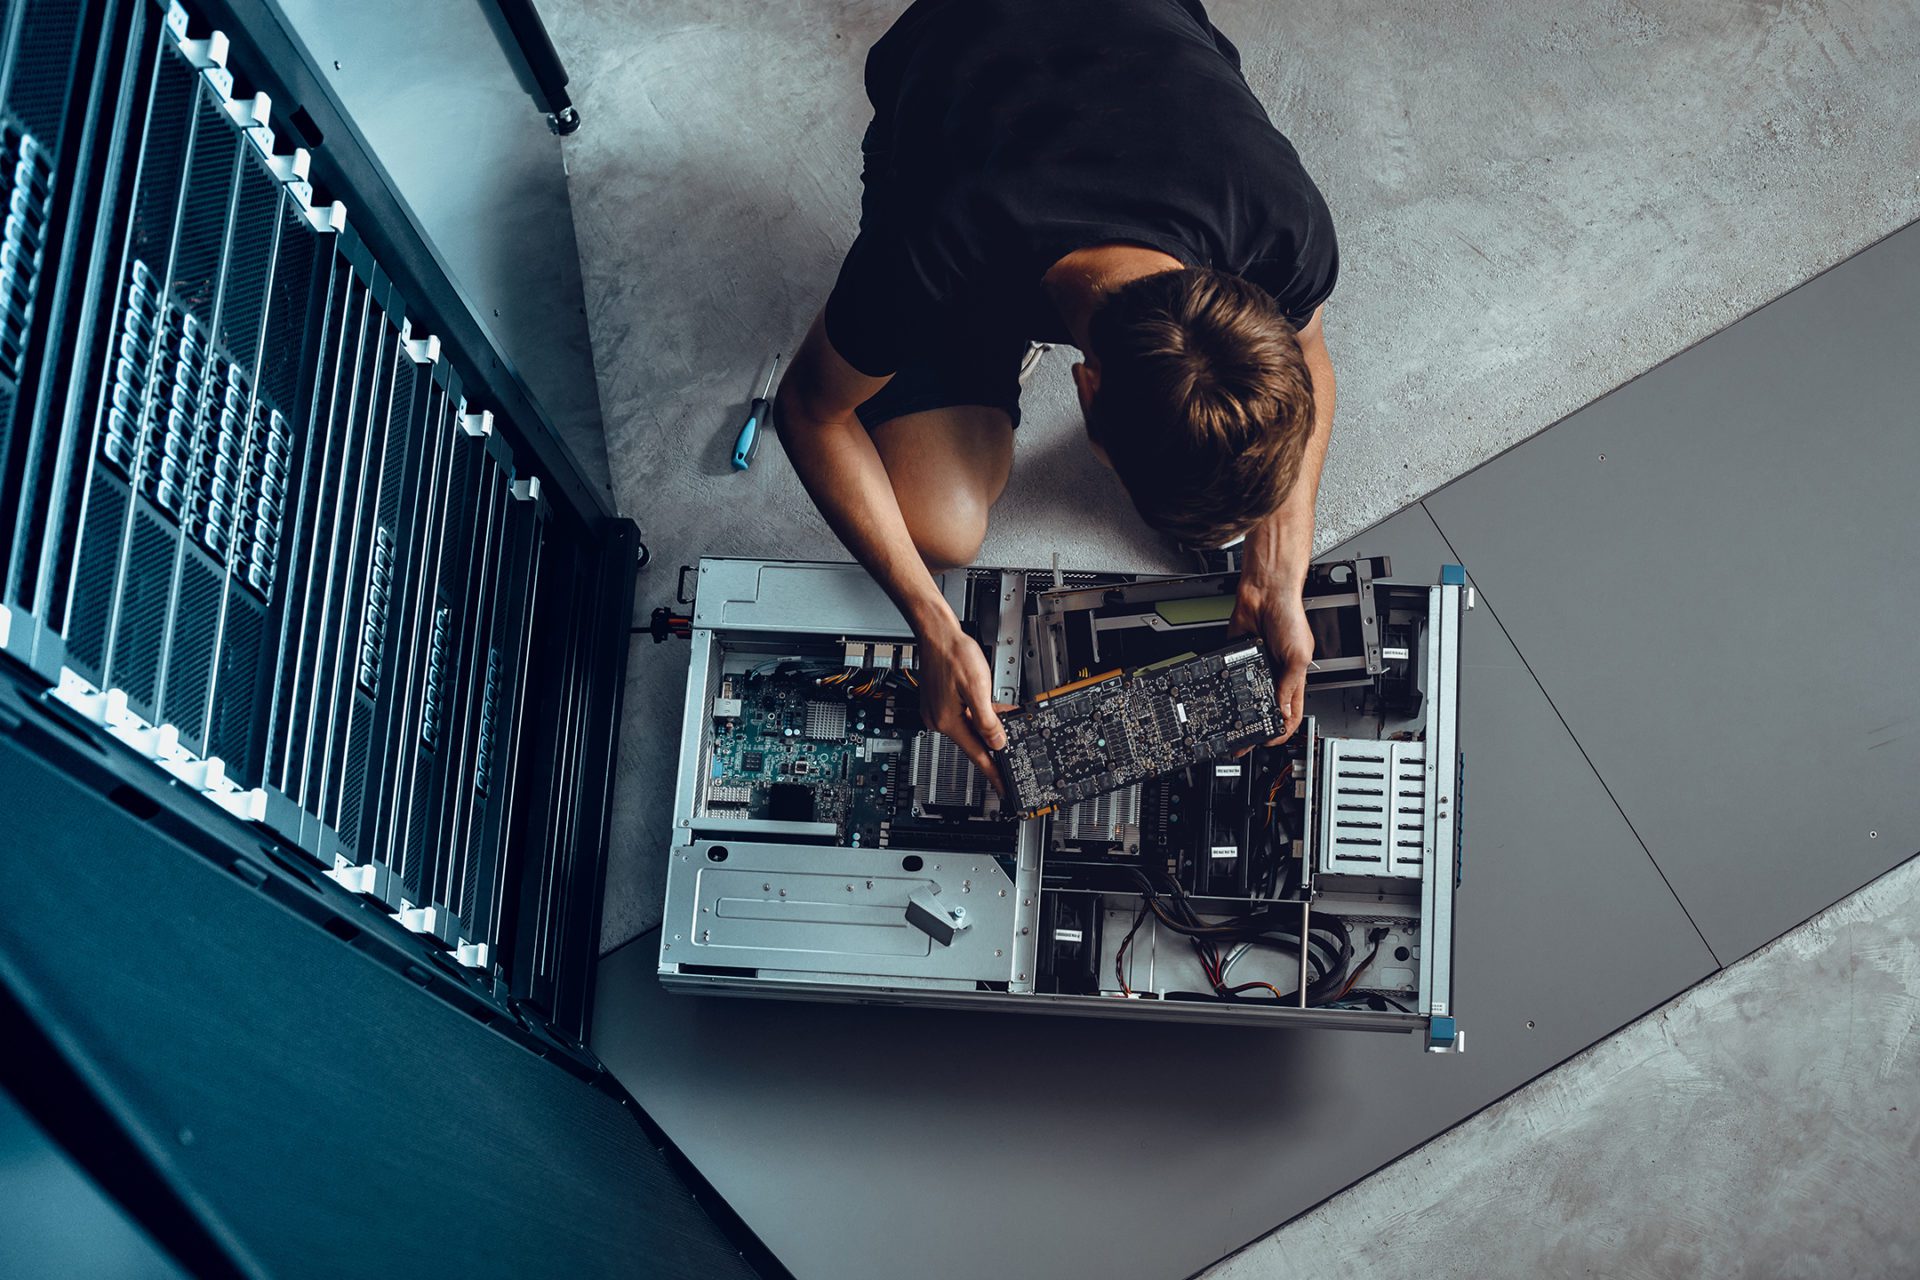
93, 590
1373, 810
436, 666
196, 621
243, 670
127, 412
26, 184
489, 702
373, 631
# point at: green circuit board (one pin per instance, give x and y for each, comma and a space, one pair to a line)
1085, 741
789, 748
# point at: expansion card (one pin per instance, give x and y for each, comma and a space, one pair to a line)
1111, 731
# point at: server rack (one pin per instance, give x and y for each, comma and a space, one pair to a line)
275, 516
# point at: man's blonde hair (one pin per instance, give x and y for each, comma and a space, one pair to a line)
1204, 402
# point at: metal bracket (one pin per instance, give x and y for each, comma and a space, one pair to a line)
938, 920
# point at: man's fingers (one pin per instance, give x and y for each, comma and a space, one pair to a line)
1293, 698
986, 722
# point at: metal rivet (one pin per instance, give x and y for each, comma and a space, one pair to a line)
783, 893
1003, 893
1603, 457
998, 952
1529, 1024
1025, 932
1873, 835
1023, 977
766, 888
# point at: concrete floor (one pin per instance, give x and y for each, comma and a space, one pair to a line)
1535, 203
1764, 1123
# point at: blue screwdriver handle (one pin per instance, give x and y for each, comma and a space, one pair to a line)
749, 442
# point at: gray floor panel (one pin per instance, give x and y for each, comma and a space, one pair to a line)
1715, 573
875, 1142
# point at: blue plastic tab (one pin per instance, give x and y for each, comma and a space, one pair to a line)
1453, 575
1441, 1033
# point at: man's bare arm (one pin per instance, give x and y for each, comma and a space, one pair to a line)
836, 461
1280, 549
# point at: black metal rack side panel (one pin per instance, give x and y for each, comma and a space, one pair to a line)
557, 916
554, 731
60, 99
603, 653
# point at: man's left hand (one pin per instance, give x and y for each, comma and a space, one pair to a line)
1277, 615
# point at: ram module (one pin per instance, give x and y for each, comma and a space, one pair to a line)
1111, 731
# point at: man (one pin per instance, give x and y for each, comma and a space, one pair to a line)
1085, 171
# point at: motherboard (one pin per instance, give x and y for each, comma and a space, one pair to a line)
1109, 732
843, 748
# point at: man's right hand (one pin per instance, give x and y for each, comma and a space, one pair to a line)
956, 696
815, 414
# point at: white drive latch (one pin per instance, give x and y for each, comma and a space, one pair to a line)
369, 880
248, 806
428, 922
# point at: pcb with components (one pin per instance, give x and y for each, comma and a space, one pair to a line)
1101, 735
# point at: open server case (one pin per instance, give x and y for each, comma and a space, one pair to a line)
277, 518
826, 846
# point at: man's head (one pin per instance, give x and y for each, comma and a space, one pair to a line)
1196, 392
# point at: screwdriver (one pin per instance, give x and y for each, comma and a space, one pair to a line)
748, 443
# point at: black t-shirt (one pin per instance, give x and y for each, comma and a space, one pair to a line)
1008, 133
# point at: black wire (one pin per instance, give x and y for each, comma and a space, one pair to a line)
1126, 942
